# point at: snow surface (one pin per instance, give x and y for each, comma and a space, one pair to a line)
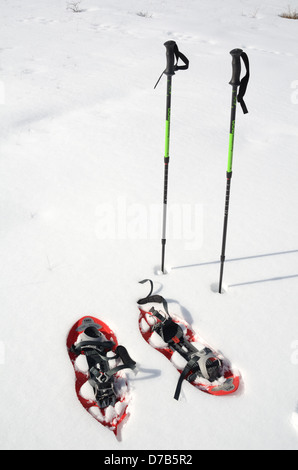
81, 175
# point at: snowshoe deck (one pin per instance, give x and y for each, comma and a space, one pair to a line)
195, 360
101, 386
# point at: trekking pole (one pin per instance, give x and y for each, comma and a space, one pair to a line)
173, 55
236, 54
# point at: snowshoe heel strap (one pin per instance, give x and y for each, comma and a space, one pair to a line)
209, 366
204, 365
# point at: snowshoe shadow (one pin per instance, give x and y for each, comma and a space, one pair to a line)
147, 374
185, 314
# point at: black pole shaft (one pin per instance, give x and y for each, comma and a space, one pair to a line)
166, 170
228, 185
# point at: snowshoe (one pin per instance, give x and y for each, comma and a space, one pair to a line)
196, 362
98, 361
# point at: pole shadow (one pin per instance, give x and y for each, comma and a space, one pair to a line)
260, 281
146, 374
186, 315
242, 258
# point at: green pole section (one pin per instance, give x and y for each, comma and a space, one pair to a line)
231, 147
167, 147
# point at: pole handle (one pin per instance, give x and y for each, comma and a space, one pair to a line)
173, 55
171, 47
236, 67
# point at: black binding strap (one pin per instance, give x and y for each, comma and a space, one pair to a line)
158, 299
191, 363
101, 376
95, 343
244, 83
95, 351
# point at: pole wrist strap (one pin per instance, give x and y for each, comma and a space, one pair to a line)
244, 83
181, 56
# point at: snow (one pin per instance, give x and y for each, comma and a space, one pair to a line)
81, 167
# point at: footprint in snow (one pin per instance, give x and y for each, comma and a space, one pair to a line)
37, 19
266, 51
190, 38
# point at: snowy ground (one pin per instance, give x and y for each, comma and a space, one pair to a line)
81, 174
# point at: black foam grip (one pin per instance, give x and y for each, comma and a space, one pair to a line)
236, 67
170, 47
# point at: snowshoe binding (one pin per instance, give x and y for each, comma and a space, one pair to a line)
98, 361
196, 362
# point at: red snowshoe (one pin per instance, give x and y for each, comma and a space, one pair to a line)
98, 361
196, 362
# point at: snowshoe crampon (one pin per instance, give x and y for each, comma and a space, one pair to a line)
196, 362
100, 382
